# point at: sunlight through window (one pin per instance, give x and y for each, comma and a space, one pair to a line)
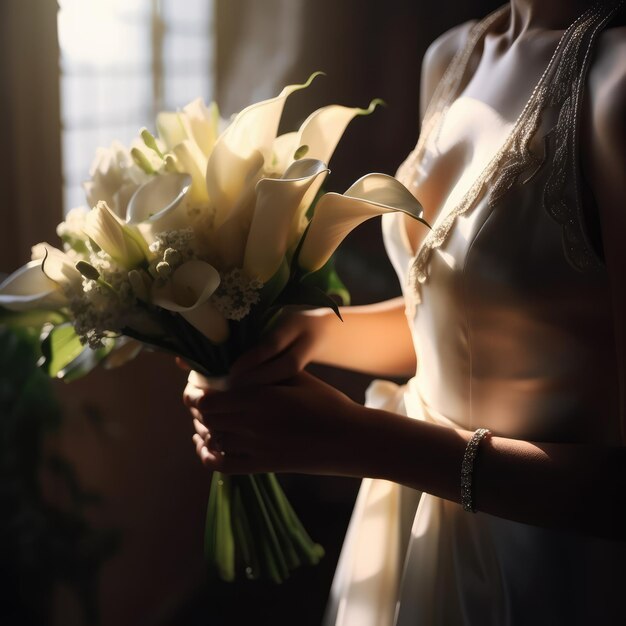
121, 62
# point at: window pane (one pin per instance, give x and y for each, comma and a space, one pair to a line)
180, 49
182, 89
99, 98
189, 12
95, 35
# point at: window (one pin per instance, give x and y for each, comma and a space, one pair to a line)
122, 61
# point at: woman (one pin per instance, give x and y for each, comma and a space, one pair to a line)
516, 311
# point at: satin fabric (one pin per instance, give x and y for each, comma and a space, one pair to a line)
509, 336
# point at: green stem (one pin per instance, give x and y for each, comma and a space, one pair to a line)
244, 535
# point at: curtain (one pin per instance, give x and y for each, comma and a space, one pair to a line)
30, 156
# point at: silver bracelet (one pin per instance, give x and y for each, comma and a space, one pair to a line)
467, 469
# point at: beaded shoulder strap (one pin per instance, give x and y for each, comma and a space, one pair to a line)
556, 87
567, 91
444, 94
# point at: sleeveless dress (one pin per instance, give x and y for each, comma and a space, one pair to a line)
510, 312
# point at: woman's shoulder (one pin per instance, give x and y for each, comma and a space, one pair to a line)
606, 113
604, 139
438, 56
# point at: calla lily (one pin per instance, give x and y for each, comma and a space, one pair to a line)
277, 205
243, 148
57, 265
191, 160
29, 288
195, 122
336, 215
157, 201
319, 134
119, 241
187, 292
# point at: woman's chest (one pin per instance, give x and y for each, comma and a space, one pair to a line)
454, 157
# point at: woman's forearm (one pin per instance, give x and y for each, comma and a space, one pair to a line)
543, 484
373, 338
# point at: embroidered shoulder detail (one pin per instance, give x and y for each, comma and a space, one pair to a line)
566, 91
557, 87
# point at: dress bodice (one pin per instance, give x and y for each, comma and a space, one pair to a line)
507, 299
509, 308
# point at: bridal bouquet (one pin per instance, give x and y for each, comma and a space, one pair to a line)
198, 236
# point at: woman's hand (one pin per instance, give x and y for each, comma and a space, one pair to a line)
298, 339
299, 425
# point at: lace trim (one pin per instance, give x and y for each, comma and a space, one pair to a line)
568, 87
515, 157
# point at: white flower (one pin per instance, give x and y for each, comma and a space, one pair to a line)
58, 266
29, 288
278, 202
336, 215
115, 177
71, 231
159, 204
187, 292
122, 243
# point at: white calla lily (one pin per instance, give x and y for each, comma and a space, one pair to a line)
29, 288
201, 124
191, 160
157, 201
188, 292
171, 129
57, 265
277, 207
242, 149
121, 242
323, 129
336, 215
195, 122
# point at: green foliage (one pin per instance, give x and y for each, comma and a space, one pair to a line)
41, 544
64, 356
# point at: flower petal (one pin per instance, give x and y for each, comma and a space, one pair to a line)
336, 215
57, 265
189, 159
283, 149
121, 242
170, 128
158, 198
29, 288
191, 285
209, 321
243, 148
323, 129
200, 123
278, 202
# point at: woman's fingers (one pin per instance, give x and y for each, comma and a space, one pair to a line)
200, 428
182, 364
272, 345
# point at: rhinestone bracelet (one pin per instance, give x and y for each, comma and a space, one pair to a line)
467, 469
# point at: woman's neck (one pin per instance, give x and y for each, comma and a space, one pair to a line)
544, 14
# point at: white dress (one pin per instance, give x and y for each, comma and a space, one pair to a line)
510, 313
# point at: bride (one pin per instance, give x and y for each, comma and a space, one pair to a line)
515, 347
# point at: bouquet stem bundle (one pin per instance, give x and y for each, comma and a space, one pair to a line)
251, 528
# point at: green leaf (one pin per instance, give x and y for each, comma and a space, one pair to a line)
33, 320
303, 294
87, 360
59, 347
327, 279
